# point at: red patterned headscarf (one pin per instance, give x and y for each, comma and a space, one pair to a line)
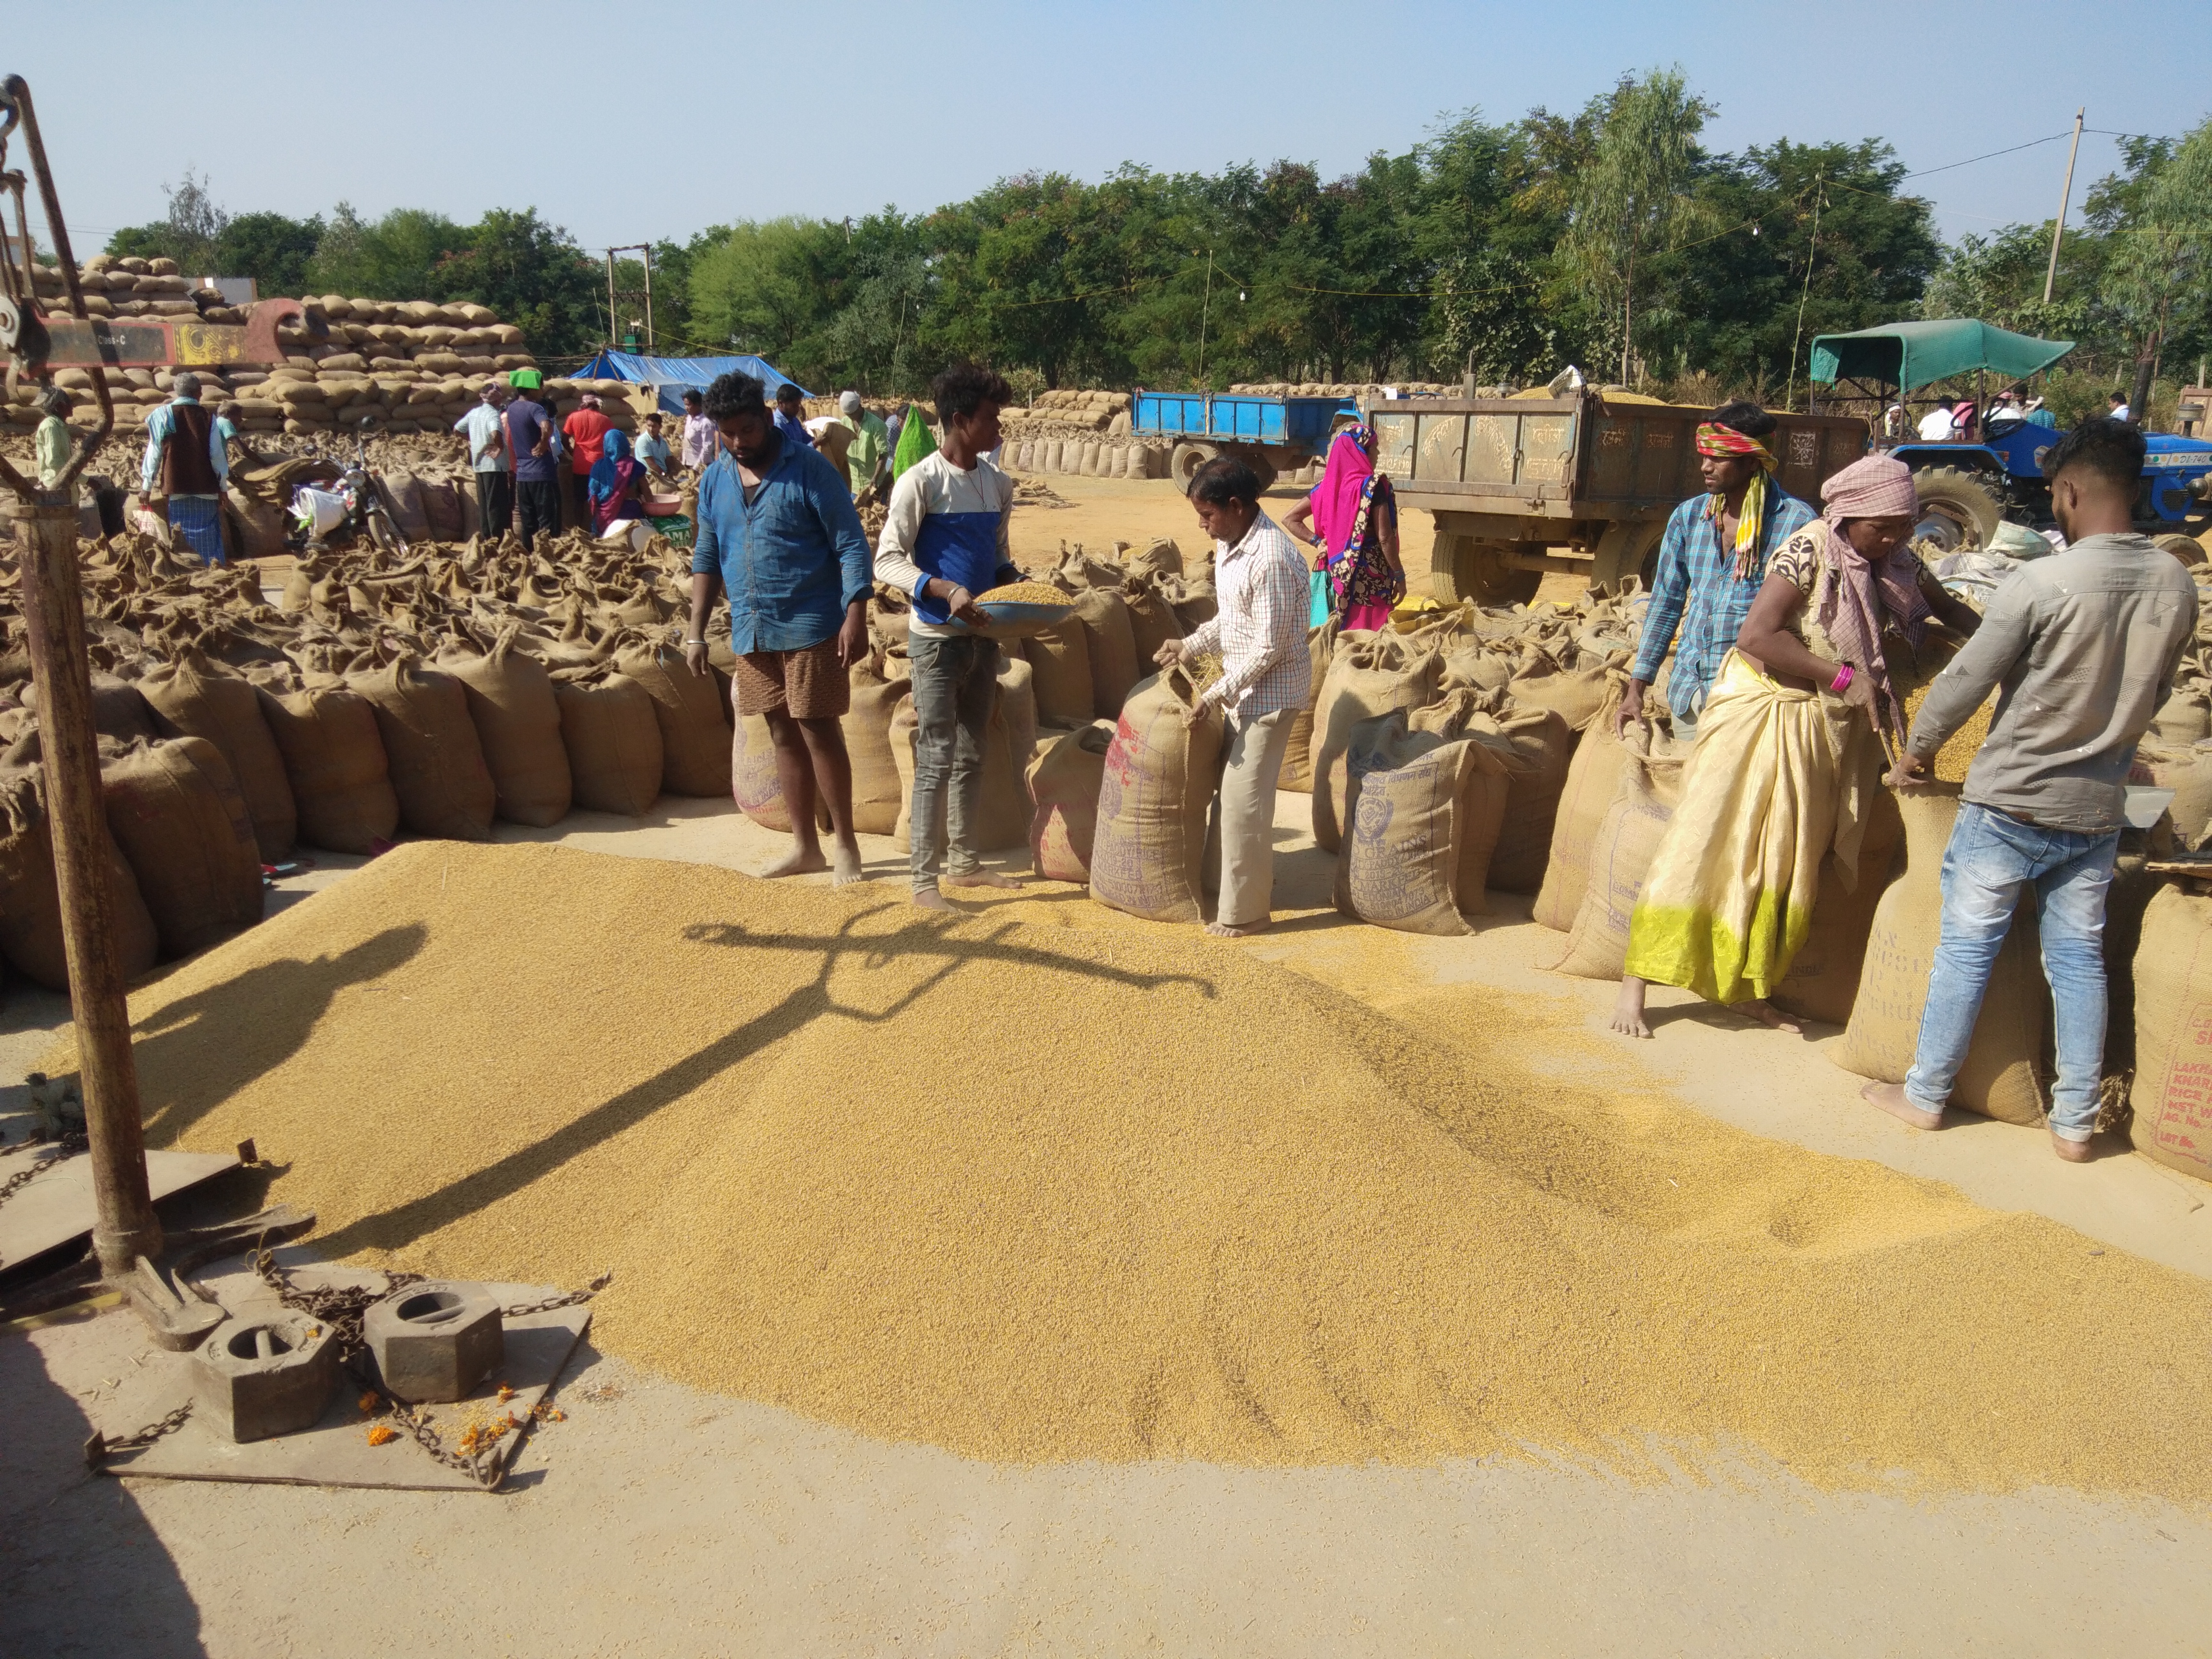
1724, 441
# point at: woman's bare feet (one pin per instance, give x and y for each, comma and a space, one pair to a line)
930, 899
1890, 1097
1238, 929
983, 879
802, 860
1767, 1013
2072, 1152
1628, 1008
844, 863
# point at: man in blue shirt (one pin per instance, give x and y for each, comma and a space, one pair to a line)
791, 415
531, 445
1712, 565
778, 533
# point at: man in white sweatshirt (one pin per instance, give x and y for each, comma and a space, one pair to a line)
944, 542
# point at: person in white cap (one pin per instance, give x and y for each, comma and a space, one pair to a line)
871, 452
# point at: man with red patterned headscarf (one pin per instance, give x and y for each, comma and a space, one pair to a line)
1711, 563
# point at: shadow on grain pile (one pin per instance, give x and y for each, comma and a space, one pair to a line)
1035, 1193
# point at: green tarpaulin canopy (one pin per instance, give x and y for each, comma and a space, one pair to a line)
1910, 354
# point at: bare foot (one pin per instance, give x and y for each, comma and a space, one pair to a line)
1767, 1013
798, 861
983, 879
1890, 1097
2072, 1152
1238, 929
845, 864
930, 899
1628, 1008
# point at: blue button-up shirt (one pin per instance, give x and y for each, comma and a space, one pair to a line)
1697, 592
792, 560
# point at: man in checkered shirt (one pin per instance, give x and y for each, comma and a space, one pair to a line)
1260, 630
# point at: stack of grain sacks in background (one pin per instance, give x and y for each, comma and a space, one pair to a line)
1083, 433
1359, 390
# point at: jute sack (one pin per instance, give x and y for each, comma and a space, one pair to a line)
755, 783
878, 796
1003, 812
117, 709
1489, 787
2172, 1089
1063, 783
335, 761
1368, 676
1159, 556
1644, 802
1152, 622
1542, 747
195, 699
2188, 773
694, 738
1018, 703
403, 497
613, 740
1059, 659
1297, 755
30, 900
518, 721
176, 812
1404, 804
1147, 853
441, 510
1577, 696
1109, 645
430, 745
1823, 980
1999, 1079
1592, 777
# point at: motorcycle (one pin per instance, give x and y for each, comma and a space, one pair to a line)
350, 509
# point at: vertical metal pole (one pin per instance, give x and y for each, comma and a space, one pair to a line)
126, 1227
614, 323
2065, 200
649, 345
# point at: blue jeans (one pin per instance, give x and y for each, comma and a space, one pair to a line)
955, 687
1990, 857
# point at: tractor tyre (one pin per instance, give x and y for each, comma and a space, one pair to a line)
1466, 568
1963, 497
2187, 549
1184, 463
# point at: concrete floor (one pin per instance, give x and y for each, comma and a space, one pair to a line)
660, 1519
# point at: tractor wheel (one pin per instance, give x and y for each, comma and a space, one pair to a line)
1466, 568
1963, 501
1184, 463
2187, 549
1262, 469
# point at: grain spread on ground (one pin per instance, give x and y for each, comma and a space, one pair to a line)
1044, 1192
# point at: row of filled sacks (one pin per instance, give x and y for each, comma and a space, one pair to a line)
442, 748
182, 872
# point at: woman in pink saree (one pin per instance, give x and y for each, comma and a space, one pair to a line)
1351, 520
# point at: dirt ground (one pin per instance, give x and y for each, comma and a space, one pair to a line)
661, 1520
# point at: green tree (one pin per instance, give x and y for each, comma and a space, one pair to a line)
532, 273
272, 249
189, 234
2158, 273
1631, 199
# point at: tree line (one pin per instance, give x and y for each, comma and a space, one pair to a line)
1612, 238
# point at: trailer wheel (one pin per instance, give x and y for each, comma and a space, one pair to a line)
1481, 571
1184, 463
1963, 501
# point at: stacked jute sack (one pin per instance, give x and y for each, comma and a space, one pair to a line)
467, 684
406, 365
1357, 389
1084, 434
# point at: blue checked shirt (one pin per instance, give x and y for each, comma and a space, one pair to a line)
1696, 591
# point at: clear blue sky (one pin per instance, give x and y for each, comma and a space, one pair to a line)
838, 109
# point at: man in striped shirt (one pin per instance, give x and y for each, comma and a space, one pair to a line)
1260, 631
1711, 566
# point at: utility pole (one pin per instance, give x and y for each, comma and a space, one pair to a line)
1790, 396
615, 295
2065, 200
1205, 311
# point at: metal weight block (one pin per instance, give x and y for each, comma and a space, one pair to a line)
435, 1342
260, 1377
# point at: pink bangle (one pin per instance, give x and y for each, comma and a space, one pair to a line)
1842, 683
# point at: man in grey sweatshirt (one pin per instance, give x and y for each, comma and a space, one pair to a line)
2084, 646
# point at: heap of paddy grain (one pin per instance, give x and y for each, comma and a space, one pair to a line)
1217, 1212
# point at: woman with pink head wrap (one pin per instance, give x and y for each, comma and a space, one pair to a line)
1789, 750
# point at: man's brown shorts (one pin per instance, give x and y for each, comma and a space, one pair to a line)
808, 684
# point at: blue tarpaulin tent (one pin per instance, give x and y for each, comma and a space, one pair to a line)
670, 376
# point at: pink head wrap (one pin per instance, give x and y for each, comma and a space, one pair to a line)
1859, 596
1340, 500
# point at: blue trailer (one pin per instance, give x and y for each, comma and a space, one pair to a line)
1269, 434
